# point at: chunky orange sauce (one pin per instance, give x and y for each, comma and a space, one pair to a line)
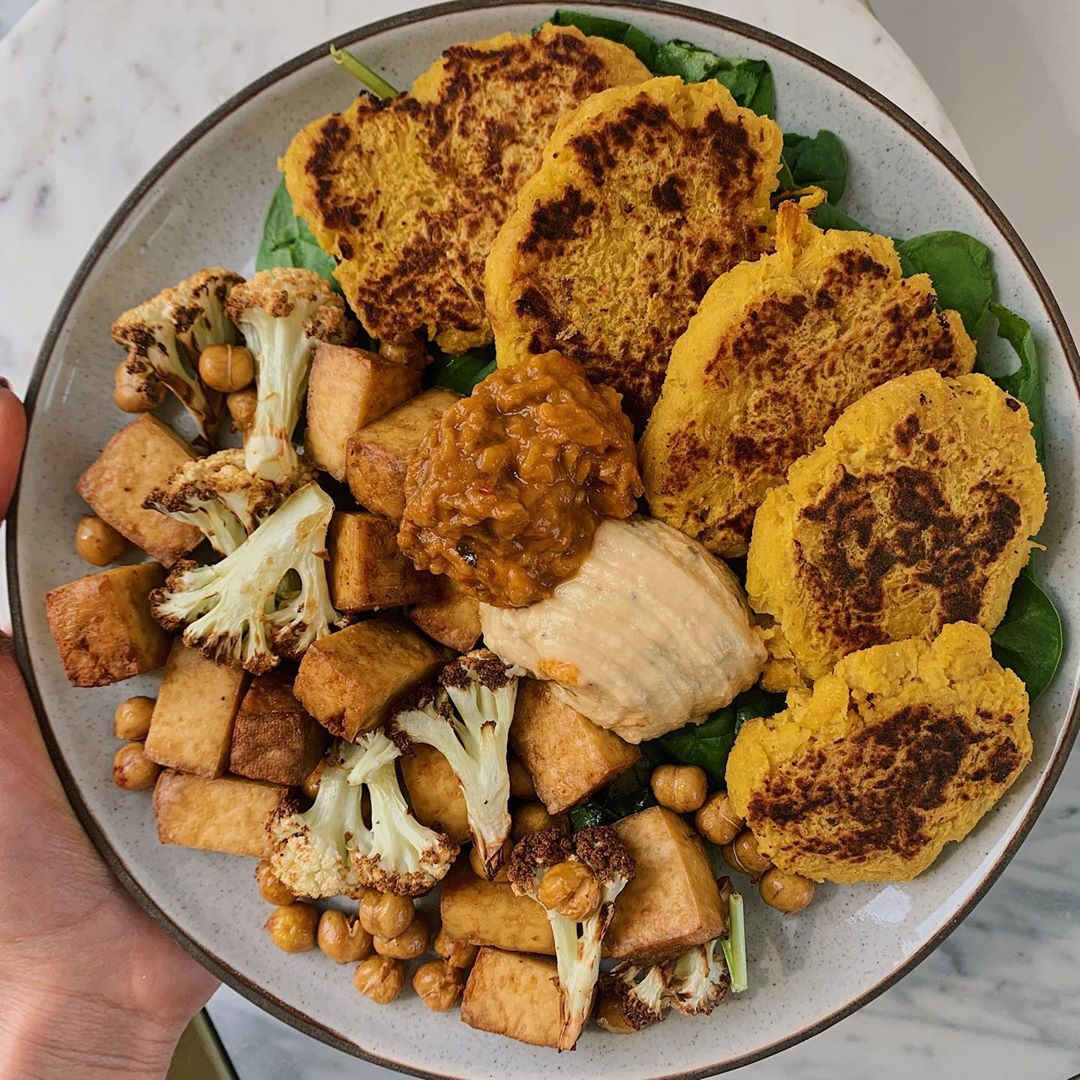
505, 493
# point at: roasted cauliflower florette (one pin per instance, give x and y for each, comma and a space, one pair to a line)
221, 498
396, 854
466, 717
265, 600
283, 313
577, 941
164, 336
312, 848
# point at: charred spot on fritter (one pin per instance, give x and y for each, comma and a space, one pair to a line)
559, 220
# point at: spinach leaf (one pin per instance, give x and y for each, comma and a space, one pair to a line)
1025, 383
287, 241
827, 216
750, 81
1029, 638
461, 372
625, 795
819, 160
959, 267
359, 70
637, 41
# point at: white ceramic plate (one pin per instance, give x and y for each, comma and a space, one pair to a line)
204, 205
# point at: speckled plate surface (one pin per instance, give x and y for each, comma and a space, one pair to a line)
204, 205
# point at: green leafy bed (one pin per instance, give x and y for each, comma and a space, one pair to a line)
1029, 639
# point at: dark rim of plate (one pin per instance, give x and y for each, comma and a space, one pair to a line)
228, 975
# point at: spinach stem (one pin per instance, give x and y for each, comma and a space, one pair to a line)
358, 69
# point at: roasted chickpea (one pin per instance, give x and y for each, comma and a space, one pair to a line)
310, 786
785, 892
521, 784
380, 978
533, 817
132, 770
407, 351
571, 889
132, 718
99, 544
504, 861
610, 1015
293, 926
742, 854
241, 405
438, 984
455, 951
717, 820
134, 392
270, 885
681, 788
227, 368
342, 937
385, 915
412, 942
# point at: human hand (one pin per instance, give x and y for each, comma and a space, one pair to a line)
90, 986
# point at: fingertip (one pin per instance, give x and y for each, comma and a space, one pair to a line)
12, 441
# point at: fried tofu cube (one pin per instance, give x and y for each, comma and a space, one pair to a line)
348, 389
348, 680
673, 902
488, 913
435, 793
451, 616
378, 454
513, 995
191, 726
567, 755
367, 569
137, 459
103, 628
216, 815
274, 737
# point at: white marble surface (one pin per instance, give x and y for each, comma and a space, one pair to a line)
91, 94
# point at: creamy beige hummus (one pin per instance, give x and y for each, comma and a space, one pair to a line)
651, 633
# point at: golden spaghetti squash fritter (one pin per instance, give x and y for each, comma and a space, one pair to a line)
901, 750
409, 192
777, 350
646, 194
918, 511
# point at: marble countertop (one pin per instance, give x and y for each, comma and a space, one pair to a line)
91, 94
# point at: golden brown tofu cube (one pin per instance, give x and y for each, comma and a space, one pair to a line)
673, 901
513, 995
348, 389
103, 628
216, 815
451, 616
379, 453
192, 722
435, 793
348, 680
137, 459
367, 569
567, 756
488, 913
274, 737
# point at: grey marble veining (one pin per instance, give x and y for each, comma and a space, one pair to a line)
91, 95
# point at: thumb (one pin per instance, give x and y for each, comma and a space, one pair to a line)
12, 440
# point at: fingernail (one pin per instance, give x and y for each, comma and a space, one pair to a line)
4, 384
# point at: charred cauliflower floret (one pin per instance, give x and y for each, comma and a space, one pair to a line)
267, 599
221, 498
467, 719
396, 854
559, 872
311, 849
283, 313
164, 336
